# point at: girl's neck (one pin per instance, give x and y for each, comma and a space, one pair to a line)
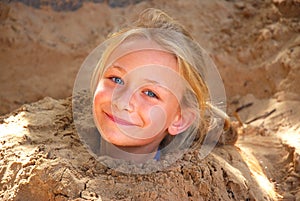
138, 154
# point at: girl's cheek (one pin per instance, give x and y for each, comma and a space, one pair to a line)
103, 91
97, 99
101, 96
148, 111
140, 104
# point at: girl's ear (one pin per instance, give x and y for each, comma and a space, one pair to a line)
182, 122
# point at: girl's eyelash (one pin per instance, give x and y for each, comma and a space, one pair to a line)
150, 93
147, 92
116, 80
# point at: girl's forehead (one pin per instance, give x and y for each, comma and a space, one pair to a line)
146, 57
139, 47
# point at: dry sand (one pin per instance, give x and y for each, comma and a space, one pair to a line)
256, 46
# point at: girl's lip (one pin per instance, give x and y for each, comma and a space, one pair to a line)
119, 120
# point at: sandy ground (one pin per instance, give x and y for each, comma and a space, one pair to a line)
256, 46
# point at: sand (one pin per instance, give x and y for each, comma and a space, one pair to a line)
256, 47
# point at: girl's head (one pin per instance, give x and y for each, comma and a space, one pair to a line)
149, 87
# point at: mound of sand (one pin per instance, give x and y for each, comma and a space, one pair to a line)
43, 159
256, 46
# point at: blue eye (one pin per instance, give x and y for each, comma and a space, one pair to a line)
150, 94
117, 80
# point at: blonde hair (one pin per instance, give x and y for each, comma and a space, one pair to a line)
189, 57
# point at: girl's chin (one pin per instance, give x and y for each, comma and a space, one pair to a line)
123, 142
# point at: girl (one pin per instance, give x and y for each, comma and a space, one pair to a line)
155, 91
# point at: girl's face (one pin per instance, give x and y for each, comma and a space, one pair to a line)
137, 99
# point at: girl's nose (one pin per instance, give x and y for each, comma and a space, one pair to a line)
122, 99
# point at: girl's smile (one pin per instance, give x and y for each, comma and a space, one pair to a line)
119, 120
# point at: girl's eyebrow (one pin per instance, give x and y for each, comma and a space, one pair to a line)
152, 81
156, 83
122, 70
119, 68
